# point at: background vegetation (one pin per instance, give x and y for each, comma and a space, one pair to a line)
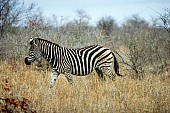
142, 48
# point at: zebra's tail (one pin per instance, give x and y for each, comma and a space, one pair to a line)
116, 66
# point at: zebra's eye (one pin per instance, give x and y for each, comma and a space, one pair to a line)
32, 53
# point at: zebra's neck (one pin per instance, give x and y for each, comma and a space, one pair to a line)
48, 49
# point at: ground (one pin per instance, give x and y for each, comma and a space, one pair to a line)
88, 94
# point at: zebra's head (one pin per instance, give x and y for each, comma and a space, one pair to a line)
34, 52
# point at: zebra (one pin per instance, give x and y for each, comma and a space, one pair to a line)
69, 61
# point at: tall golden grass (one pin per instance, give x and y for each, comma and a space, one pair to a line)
87, 95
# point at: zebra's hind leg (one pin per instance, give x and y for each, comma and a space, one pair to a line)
100, 74
54, 76
69, 78
109, 73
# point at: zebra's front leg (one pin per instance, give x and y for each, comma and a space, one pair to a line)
54, 76
69, 78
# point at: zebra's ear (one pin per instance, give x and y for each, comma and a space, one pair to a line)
31, 41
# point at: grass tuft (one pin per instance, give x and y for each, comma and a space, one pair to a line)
88, 94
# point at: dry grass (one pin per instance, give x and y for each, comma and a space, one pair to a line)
151, 95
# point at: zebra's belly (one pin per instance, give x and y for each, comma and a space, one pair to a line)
81, 70
80, 73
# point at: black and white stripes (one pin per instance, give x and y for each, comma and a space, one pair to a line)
79, 62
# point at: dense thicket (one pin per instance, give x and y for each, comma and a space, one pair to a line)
140, 45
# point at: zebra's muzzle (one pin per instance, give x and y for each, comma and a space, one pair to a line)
27, 61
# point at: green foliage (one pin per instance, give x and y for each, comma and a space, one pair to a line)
12, 29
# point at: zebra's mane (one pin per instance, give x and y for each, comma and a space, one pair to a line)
43, 40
